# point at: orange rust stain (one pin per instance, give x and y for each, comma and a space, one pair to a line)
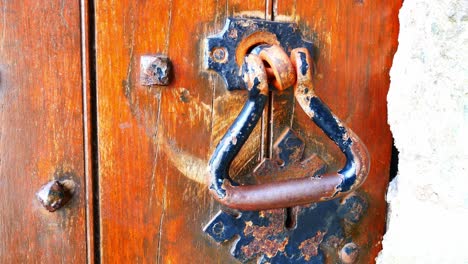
264, 241
309, 247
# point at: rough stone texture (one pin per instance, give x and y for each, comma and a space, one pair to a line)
428, 115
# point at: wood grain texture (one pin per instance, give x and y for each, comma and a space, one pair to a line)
355, 41
41, 131
154, 143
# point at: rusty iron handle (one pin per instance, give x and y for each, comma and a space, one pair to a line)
295, 191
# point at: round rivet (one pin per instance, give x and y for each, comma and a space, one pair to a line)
349, 253
219, 54
218, 228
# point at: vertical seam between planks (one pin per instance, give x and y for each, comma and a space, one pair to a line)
90, 132
86, 136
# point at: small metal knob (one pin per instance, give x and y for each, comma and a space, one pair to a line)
155, 70
55, 194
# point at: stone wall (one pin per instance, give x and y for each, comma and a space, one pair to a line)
428, 116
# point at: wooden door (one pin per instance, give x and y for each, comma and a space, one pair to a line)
72, 107
41, 131
154, 142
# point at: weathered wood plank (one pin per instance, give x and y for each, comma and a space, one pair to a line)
41, 131
154, 143
356, 41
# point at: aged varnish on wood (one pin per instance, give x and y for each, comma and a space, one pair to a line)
77, 105
41, 131
155, 142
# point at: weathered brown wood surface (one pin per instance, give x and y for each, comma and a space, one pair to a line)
154, 143
356, 41
41, 130
151, 211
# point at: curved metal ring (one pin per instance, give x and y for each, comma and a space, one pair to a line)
280, 68
295, 191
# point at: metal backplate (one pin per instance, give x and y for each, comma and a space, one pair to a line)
314, 233
224, 52
303, 234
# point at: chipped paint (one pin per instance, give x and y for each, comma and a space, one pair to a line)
309, 247
248, 34
318, 236
318, 230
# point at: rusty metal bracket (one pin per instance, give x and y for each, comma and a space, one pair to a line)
312, 234
302, 220
225, 51
322, 232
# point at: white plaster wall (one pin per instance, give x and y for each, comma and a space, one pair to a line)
428, 116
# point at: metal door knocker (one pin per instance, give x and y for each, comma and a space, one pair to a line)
255, 55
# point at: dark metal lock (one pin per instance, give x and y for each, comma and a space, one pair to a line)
239, 54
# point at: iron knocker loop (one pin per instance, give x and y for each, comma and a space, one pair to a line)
296, 70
